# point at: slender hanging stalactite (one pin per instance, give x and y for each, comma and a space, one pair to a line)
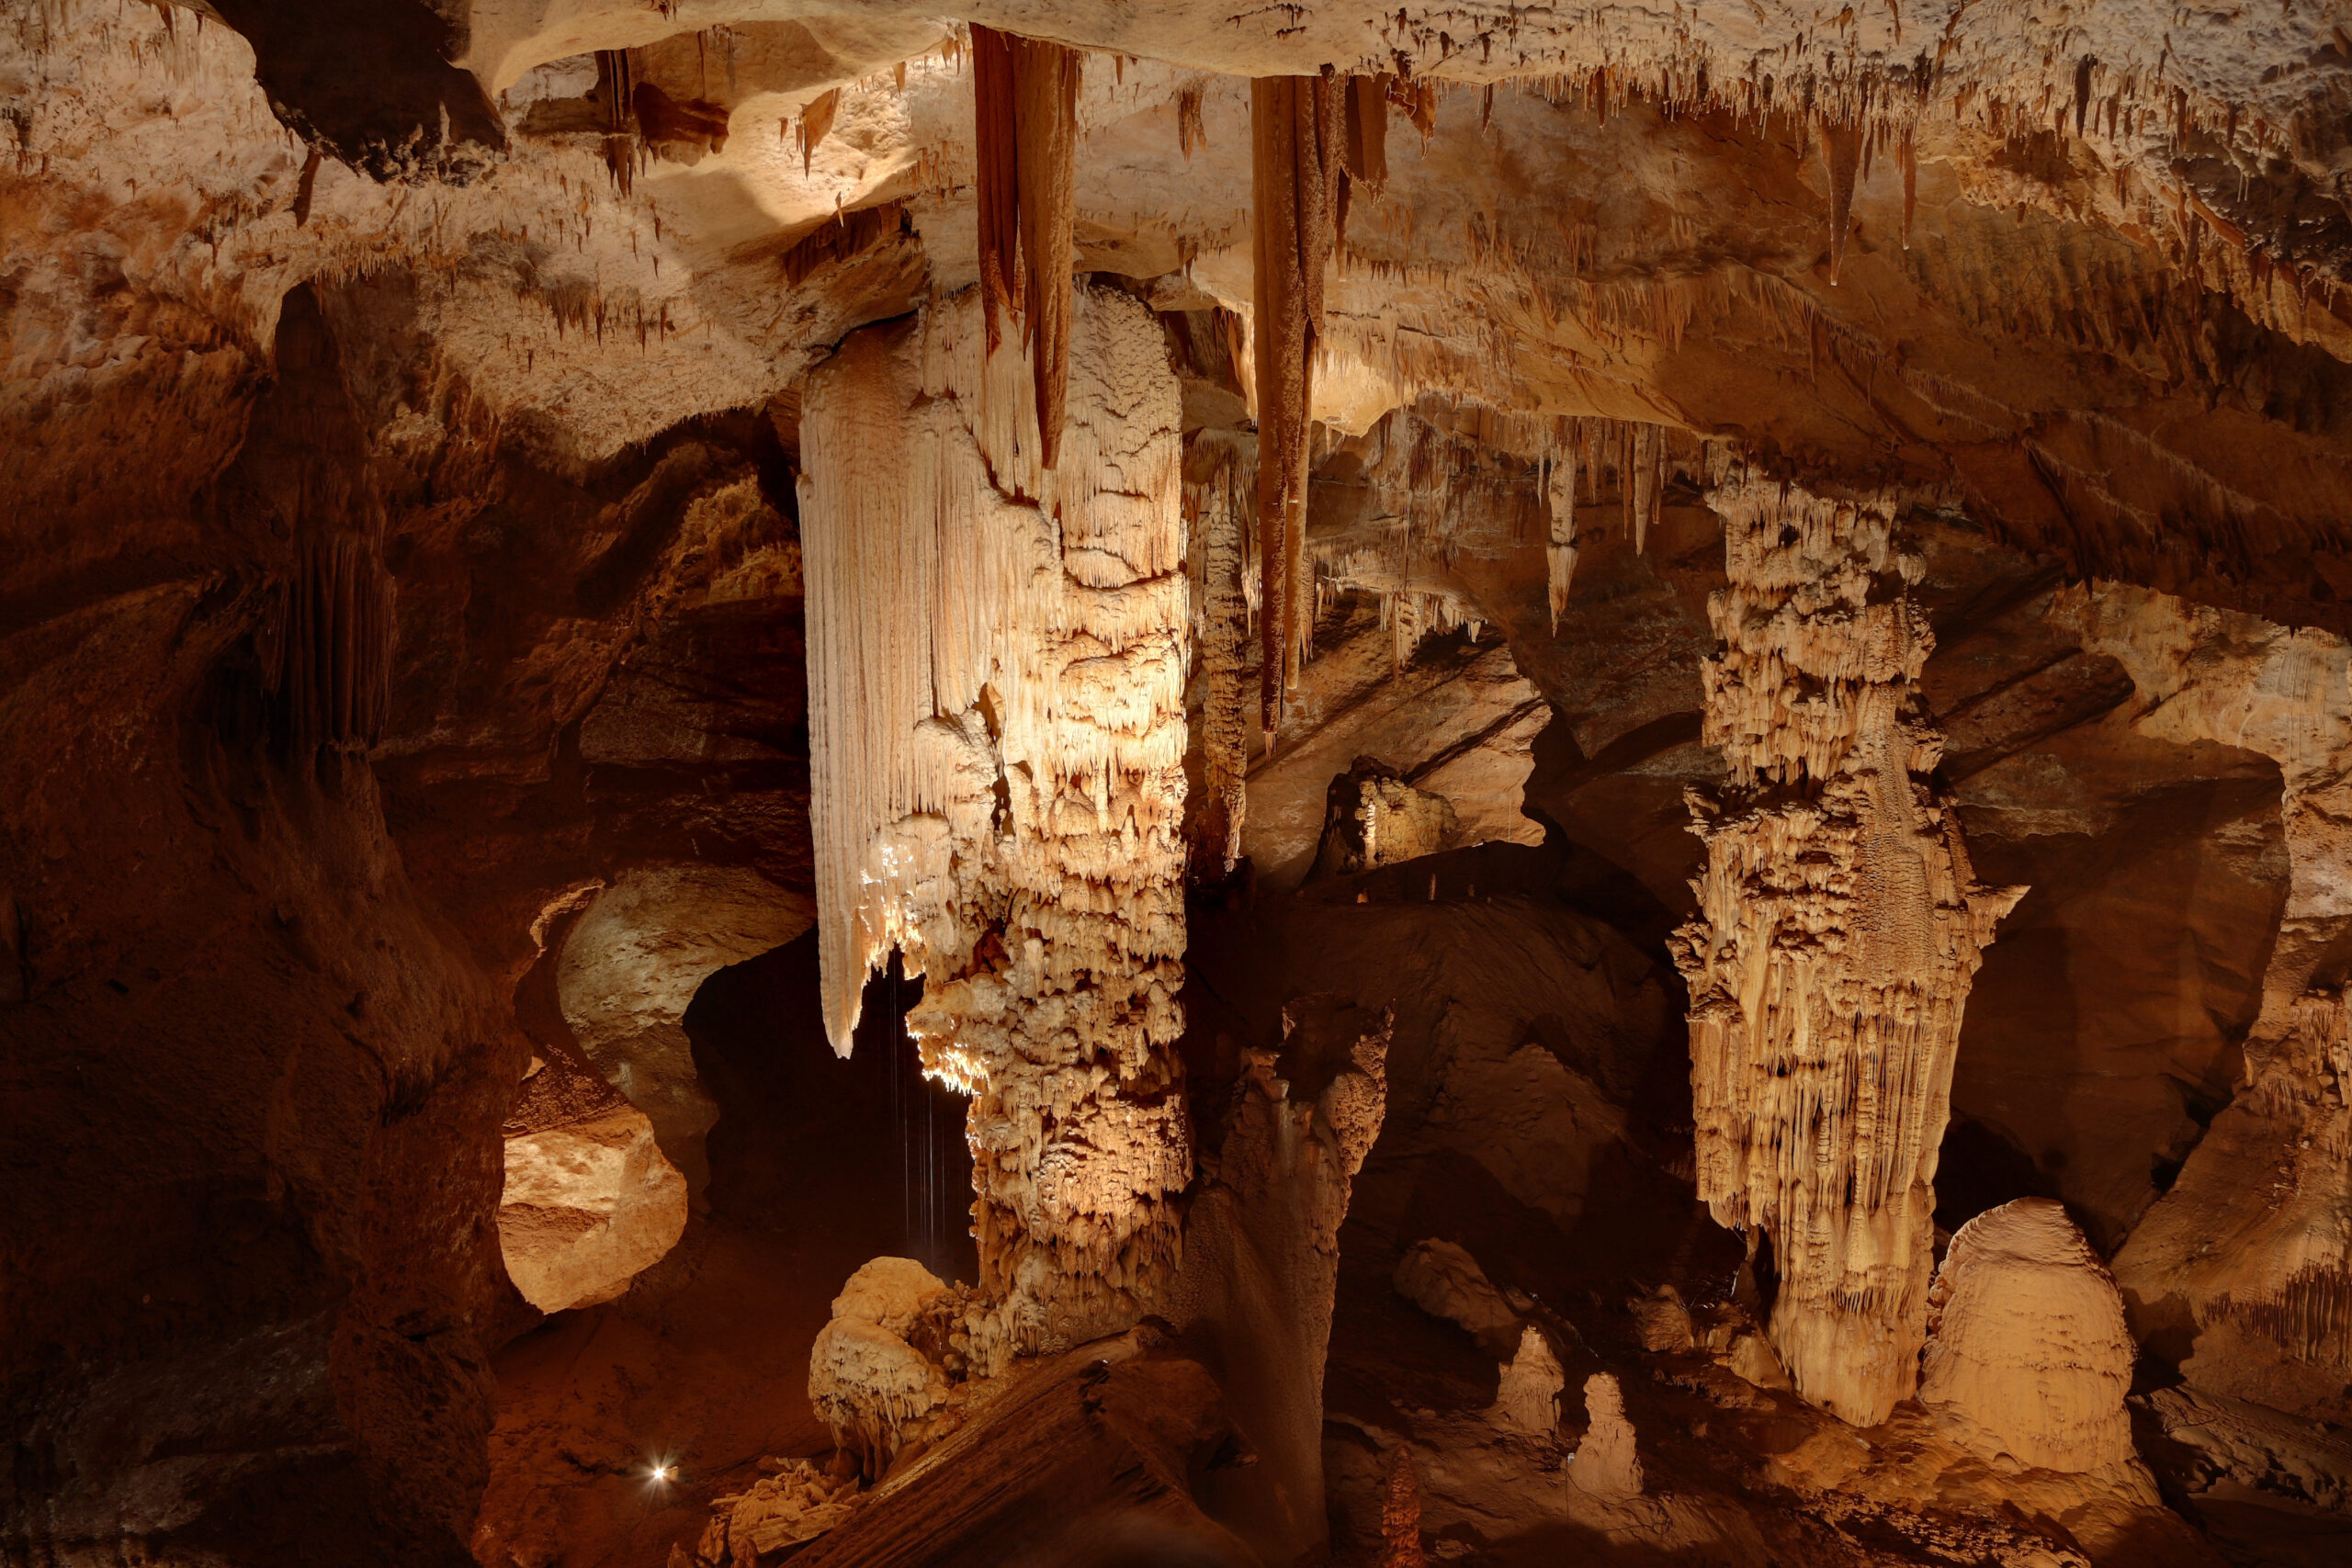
1296, 135
1025, 99
1842, 154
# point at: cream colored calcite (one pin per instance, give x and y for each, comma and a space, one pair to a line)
799, 1502
2252, 1247
588, 1205
997, 672
864, 1379
1527, 1397
1605, 1465
1839, 929
2028, 1357
630, 966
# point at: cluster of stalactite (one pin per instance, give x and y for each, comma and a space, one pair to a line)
1220, 482
1838, 931
326, 648
1311, 139
1446, 479
1024, 100
997, 656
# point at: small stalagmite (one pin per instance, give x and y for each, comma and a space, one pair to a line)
2027, 1355
1839, 928
1605, 1465
1527, 1400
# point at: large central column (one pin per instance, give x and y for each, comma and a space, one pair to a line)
997, 656
1839, 931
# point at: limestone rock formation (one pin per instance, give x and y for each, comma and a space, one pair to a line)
864, 1379
1375, 818
590, 1199
799, 1502
1839, 929
2270, 1308
2027, 1355
996, 713
1605, 1465
1444, 1281
630, 964
1261, 1255
1528, 1400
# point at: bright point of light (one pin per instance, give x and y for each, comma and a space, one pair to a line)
665, 1472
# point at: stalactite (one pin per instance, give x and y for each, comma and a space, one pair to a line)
1560, 551
1841, 155
1024, 98
613, 93
329, 660
1295, 133
816, 123
996, 659
1838, 931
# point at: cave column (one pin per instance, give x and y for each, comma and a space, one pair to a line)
997, 660
1839, 931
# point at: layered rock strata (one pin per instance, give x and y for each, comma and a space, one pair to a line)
997, 657
2246, 1261
1839, 929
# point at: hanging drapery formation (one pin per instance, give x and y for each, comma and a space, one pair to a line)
997, 735
326, 655
1295, 133
1839, 931
615, 93
1025, 99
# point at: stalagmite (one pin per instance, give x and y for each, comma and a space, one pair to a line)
1400, 1511
1606, 1465
1262, 1255
1025, 96
1838, 933
1216, 504
1296, 130
2027, 1355
998, 732
1527, 1399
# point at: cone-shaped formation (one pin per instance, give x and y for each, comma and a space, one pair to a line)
1842, 155
1839, 931
997, 724
1606, 1465
1296, 130
2029, 1356
1024, 98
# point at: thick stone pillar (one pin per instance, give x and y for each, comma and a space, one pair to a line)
997, 656
1839, 931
